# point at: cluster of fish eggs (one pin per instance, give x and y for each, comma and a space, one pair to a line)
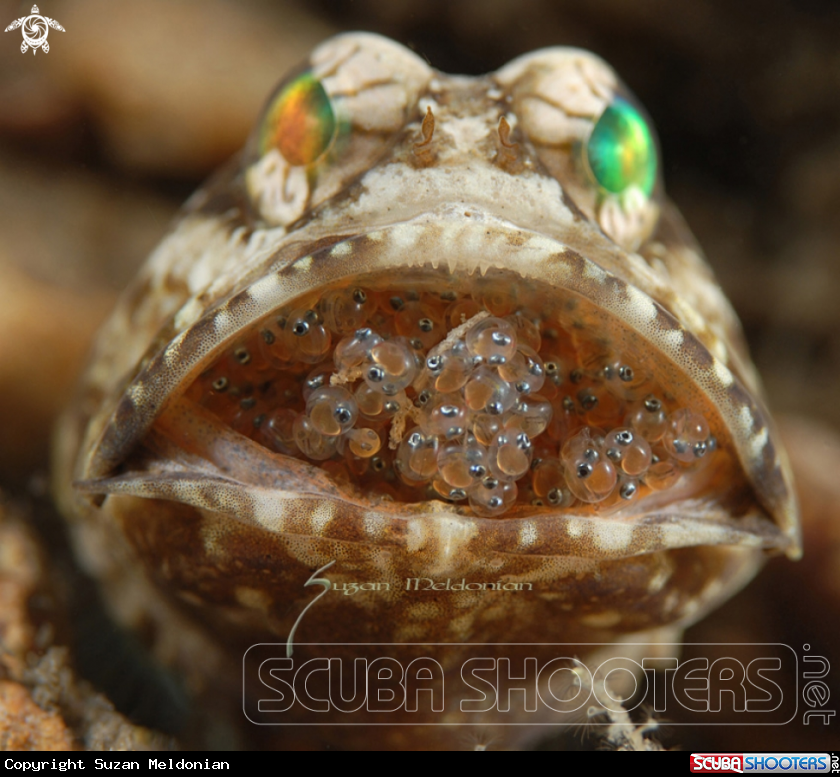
425, 394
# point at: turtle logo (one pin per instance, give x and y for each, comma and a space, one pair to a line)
35, 30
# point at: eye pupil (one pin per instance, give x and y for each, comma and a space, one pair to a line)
300, 122
621, 151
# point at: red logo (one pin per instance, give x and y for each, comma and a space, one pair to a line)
717, 763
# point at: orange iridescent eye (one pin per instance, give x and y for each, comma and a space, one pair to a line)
300, 122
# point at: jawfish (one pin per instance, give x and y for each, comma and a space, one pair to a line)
443, 341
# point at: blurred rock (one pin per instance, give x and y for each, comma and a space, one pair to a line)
25, 726
77, 229
69, 240
45, 332
43, 704
171, 89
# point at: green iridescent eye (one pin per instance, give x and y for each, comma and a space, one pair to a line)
621, 151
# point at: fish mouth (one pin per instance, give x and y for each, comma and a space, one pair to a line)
454, 369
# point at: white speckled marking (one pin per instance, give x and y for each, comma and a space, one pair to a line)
322, 513
758, 442
746, 418
221, 322
613, 536
265, 290
303, 264
403, 238
341, 249
641, 305
657, 582
188, 314
591, 270
265, 240
688, 532
723, 374
671, 602
172, 354
575, 528
527, 534
673, 337
452, 534
135, 392
713, 590
690, 607
265, 509
374, 524
415, 535
252, 598
601, 620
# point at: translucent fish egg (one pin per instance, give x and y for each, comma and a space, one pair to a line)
311, 442
686, 435
390, 367
527, 331
451, 368
306, 336
346, 310
277, 431
648, 417
416, 457
487, 392
525, 370
461, 311
549, 482
369, 401
491, 497
462, 464
420, 321
274, 347
532, 414
556, 372
445, 415
510, 454
628, 450
628, 487
448, 492
317, 379
662, 475
485, 426
599, 406
332, 410
590, 475
364, 443
493, 339
351, 351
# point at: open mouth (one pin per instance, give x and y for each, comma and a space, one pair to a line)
492, 392
451, 366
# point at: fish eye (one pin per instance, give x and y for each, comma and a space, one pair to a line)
300, 121
621, 151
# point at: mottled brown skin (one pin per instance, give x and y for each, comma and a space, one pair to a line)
211, 537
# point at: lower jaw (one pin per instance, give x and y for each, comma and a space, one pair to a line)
456, 433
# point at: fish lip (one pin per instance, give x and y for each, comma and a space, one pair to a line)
348, 518
483, 242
